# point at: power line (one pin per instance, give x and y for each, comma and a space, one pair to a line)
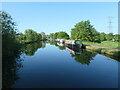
110, 24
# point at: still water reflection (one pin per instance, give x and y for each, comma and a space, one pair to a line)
52, 65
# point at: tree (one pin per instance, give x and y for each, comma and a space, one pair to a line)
31, 35
103, 36
55, 35
51, 35
8, 25
109, 36
11, 61
47, 36
85, 31
62, 35
43, 35
117, 37
10, 45
39, 36
21, 37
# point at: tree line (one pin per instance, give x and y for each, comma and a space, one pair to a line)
31, 36
86, 32
82, 31
58, 35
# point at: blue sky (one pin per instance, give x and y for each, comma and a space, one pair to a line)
51, 17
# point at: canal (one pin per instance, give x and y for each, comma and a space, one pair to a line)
52, 65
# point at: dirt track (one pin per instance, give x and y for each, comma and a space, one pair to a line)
103, 47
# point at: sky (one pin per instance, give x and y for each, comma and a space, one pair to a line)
51, 17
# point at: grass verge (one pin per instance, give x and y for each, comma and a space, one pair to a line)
104, 51
109, 44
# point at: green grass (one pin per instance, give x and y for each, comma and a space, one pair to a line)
103, 50
109, 44
94, 48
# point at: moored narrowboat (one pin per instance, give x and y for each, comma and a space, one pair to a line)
74, 43
61, 41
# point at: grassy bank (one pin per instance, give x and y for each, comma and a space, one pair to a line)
101, 50
109, 44
109, 53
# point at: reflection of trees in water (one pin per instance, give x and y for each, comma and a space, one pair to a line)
30, 49
52, 42
12, 63
56, 44
43, 44
84, 57
117, 58
10, 67
61, 47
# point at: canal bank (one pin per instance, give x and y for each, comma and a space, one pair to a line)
104, 50
106, 47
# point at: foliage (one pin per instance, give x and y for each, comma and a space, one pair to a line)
117, 37
109, 36
85, 57
56, 34
31, 35
8, 25
10, 45
10, 50
31, 48
62, 35
85, 31
43, 36
21, 37
47, 37
103, 36
39, 37
51, 35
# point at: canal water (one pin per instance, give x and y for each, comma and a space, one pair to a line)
52, 65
